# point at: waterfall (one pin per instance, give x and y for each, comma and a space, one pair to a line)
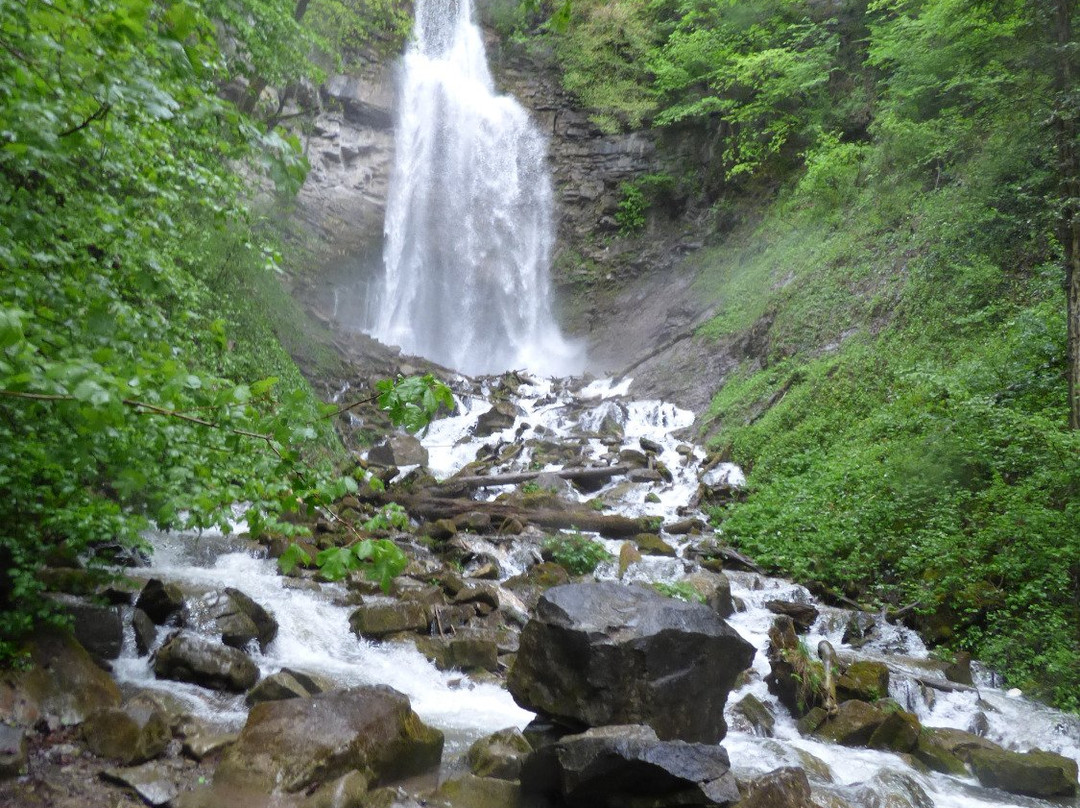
469, 217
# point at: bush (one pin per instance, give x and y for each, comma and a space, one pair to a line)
578, 554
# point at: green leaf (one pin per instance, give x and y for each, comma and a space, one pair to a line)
294, 555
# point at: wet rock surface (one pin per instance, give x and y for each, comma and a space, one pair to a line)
626, 765
296, 744
603, 653
188, 657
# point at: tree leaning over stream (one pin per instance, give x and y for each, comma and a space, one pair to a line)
138, 382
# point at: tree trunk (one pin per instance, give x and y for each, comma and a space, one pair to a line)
1069, 221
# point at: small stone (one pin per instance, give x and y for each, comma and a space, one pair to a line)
376, 621
145, 631
156, 783
499, 754
652, 544
13, 751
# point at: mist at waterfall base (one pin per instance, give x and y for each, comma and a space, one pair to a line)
469, 224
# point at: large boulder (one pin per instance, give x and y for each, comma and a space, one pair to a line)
63, 681
854, 724
628, 765
501, 416
99, 629
189, 658
603, 653
374, 621
299, 744
787, 787
399, 450
136, 732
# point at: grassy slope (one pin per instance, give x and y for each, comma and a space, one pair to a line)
905, 437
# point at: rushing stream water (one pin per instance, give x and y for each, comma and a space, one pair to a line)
314, 635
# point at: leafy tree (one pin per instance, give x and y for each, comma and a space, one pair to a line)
128, 386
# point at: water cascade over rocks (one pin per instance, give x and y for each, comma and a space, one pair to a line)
469, 217
357, 689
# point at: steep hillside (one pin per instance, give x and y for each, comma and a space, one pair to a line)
882, 194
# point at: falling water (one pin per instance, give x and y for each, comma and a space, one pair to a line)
469, 217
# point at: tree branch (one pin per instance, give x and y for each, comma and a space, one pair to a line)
97, 115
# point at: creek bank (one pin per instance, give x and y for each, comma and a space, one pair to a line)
470, 592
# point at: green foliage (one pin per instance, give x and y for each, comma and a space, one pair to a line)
349, 26
680, 590
390, 516
603, 51
577, 553
637, 197
379, 559
411, 402
140, 380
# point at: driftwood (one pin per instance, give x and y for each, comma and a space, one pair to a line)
608, 525
512, 478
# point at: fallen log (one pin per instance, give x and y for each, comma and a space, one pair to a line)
512, 478
608, 525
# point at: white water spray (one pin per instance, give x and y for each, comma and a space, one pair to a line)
469, 217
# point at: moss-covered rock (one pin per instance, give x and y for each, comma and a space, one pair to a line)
652, 544
1035, 773
934, 754
782, 788
759, 720
63, 681
375, 621
854, 723
898, 733
864, 680
499, 755
134, 733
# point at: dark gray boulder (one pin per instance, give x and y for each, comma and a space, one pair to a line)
241, 620
145, 631
99, 629
501, 416
603, 653
616, 766
399, 450
189, 658
160, 600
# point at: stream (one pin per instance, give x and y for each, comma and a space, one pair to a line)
314, 633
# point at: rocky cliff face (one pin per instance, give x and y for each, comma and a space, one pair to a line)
350, 149
630, 298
